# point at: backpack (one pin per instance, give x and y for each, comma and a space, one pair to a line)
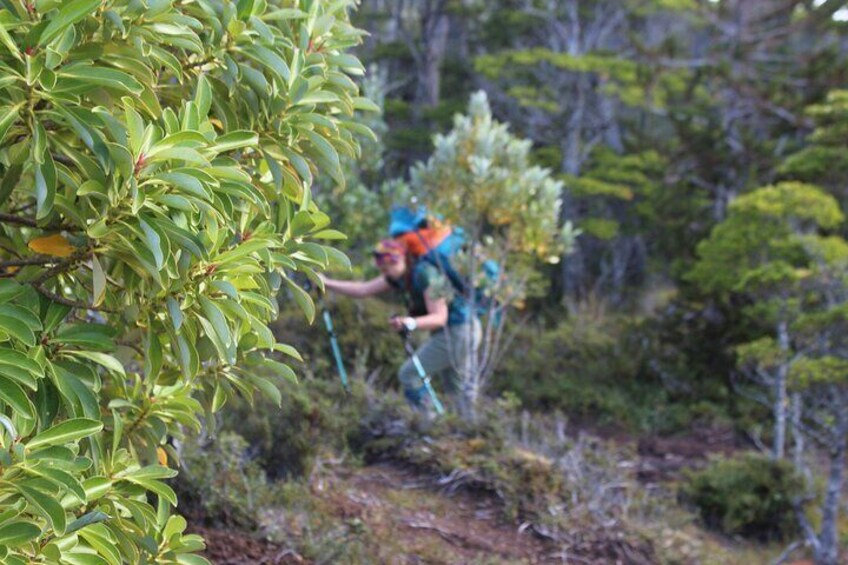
428, 239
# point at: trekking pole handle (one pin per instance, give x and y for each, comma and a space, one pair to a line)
408, 324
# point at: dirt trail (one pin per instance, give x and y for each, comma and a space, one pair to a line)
392, 515
408, 522
423, 522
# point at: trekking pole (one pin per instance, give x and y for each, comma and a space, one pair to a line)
334, 342
410, 350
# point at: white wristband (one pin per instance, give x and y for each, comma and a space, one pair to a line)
410, 324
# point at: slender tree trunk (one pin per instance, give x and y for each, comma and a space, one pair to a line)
611, 123
797, 436
433, 55
780, 394
471, 369
471, 378
573, 268
828, 550
468, 402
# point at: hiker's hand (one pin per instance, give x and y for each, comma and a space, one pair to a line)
399, 323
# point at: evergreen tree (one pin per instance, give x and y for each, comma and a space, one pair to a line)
480, 178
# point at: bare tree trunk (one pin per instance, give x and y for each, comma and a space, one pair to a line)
828, 549
611, 123
434, 39
468, 402
471, 378
573, 269
780, 395
797, 436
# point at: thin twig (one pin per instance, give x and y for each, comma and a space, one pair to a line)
450, 537
19, 220
37, 260
31, 223
783, 557
62, 267
24, 208
68, 302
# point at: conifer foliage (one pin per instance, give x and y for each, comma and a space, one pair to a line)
480, 177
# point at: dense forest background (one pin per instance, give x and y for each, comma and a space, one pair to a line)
656, 115
701, 147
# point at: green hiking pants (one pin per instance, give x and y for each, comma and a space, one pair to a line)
440, 355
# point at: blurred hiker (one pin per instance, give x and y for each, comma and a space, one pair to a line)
433, 305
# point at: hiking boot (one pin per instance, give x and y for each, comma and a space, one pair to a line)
421, 403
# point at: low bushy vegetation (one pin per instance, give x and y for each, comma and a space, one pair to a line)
219, 483
609, 370
371, 349
750, 496
315, 419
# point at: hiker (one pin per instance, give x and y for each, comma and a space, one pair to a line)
433, 305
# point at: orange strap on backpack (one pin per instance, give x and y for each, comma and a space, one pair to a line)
421, 241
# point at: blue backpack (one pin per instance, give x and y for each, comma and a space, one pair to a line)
430, 240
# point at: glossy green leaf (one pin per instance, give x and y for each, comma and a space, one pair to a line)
9, 43
154, 243
8, 116
334, 235
69, 14
175, 313
236, 140
216, 317
98, 282
67, 431
13, 395
102, 76
101, 359
22, 314
87, 519
303, 300
45, 185
47, 506
288, 350
15, 534
18, 359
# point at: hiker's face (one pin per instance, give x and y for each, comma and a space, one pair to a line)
392, 269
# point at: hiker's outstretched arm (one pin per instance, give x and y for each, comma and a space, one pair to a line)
357, 289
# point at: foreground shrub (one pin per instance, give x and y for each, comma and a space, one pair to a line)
156, 160
749, 496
